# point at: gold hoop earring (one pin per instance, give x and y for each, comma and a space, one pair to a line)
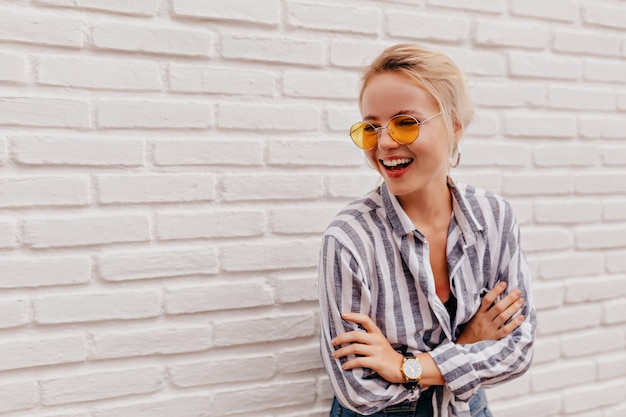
455, 158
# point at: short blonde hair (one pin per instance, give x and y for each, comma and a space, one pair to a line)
433, 71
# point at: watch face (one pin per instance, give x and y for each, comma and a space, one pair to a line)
412, 368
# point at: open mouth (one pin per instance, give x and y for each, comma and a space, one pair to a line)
396, 164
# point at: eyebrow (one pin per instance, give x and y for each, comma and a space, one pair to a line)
409, 112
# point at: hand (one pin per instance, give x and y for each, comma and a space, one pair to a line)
490, 321
372, 348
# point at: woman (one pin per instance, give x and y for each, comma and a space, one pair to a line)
424, 292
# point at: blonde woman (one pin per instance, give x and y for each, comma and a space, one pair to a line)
424, 291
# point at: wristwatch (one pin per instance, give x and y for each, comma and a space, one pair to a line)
411, 370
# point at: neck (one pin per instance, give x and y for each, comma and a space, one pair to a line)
429, 207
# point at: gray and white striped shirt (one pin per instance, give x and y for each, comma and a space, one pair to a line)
374, 261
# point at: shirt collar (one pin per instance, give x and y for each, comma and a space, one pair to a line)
402, 224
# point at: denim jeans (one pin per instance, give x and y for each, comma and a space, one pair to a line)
423, 407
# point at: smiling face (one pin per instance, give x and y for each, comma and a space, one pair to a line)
416, 170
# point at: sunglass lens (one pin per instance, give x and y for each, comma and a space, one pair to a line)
404, 129
363, 135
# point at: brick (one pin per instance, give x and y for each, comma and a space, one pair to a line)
544, 66
158, 188
269, 255
315, 84
315, 152
491, 154
607, 71
566, 156
326, 17
611, 365
122, 114
484, 125
294, 289
179, 406
600, 237
223, 371
44, 191
547, 239
158, 341
616, 261
28, 353
155, 40
218, 297
432, 27
297, 220
586, 42
40, 29
301, 359
214, 80
339, 119
613, 156
571, 265
565, 374
591, 343
273, 49
211, 224
44, 112
567, 211
621, 98
284, 394
581, 99
547, 350
101, 385
25, 272
214, 152
351, 185
548, 294
252, 11
8, 233
604, 15
600, 183
536, 184
508, 34
488, 6
512, 389
37, 150
21, 395
3, 151
539, 125
14, 68
507, 95
594, 396
594, 289
151, 264
275, 117
14, 312
523, 210
80, 231
614, 209
354, 53
614, 312
478, 62
569, 318
81, 308
597, 127
541, 405
263, 329
98, 73
271, 187
561, 10
136, 7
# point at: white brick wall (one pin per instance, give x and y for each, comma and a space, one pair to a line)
168, 167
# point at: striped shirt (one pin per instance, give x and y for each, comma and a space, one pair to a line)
374, 261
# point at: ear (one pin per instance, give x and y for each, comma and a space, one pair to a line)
458, 133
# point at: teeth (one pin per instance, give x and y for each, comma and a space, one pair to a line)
395, 162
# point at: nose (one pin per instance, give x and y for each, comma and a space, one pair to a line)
386, 142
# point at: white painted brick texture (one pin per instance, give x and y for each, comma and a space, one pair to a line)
167, 169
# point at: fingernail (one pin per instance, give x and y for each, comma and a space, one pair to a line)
502, 284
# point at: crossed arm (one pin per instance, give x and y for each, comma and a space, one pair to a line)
492, 321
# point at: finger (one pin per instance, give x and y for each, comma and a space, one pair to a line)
506, 302
508, 328
492, 295
358, 362
362, 319
352, 349
508, 313
355, 336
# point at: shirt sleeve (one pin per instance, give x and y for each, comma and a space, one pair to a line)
466, 368
343, 288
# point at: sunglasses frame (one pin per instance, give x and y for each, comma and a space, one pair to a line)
380, 128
